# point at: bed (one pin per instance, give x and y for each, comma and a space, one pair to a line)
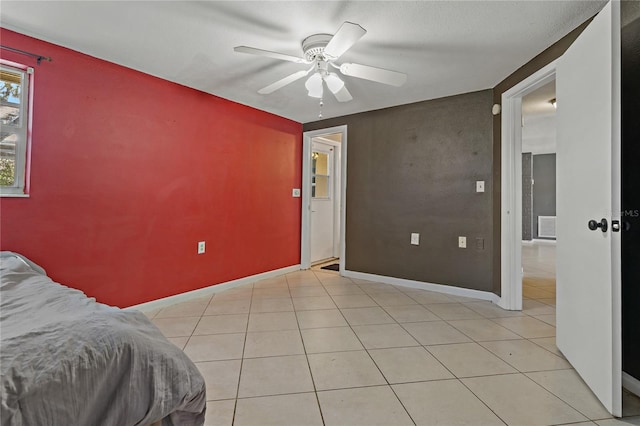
67, 360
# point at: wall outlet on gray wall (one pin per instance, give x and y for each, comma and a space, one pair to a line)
480, 243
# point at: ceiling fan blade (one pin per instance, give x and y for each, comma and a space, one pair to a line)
269, 54
343, 95
379, 75
283, 82
347, 35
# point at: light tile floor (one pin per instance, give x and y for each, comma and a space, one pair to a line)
314, 348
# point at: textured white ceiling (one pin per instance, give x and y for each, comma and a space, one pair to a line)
538, 102
446, 48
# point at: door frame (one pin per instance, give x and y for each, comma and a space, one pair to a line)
334, 183
341, 156
511, 186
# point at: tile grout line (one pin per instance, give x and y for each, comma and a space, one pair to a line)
196, 326
454, 377
306, 356
235, 405
528, 339
376, 364
558, 397
372, 296
540, 346
484, 403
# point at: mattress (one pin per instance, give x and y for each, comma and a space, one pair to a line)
67, 360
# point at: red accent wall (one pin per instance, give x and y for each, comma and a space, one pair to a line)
130, 171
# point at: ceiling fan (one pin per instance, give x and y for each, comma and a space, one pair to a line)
323, 50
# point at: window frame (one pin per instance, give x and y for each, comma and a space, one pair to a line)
21, 185
329, 176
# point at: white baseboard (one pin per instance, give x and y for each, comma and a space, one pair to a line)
630, 383
537, 241
206, 291
440, 288
541, 241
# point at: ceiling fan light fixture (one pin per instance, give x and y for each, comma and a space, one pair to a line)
314, 86
334, 83
322, 50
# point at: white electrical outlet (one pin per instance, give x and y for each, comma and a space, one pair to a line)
479, 186
296, 192
201, 247
462, 242
415, 239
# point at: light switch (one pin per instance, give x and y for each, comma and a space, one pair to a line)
296, 192
415, 239
479, 186
462, 242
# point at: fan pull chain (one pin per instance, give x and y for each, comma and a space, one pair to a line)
321, 105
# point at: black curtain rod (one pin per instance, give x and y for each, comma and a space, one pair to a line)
22, 52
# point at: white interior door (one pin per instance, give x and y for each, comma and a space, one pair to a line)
323, 194
588, 188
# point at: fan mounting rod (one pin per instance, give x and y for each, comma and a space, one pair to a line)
313, 46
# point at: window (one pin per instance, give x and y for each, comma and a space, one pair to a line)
14, 130
320, 175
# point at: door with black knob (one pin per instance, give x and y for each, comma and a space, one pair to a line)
603, 225
588, 199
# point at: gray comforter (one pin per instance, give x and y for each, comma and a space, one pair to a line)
67, 360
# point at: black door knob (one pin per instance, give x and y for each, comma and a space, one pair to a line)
593, 225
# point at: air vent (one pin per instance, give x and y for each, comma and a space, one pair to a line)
547, 226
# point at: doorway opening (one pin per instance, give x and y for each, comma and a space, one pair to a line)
539, 205
528, 252
512, 187
323, 197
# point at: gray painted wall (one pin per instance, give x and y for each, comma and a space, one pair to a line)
544, 188
413, 168
527, 196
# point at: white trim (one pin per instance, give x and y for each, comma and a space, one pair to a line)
540, 241
511, 186
216, 288
22, 130
440, 288
630, 383
343, 198
305, 238
12, 194
616, 206
334, 190
337, 206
